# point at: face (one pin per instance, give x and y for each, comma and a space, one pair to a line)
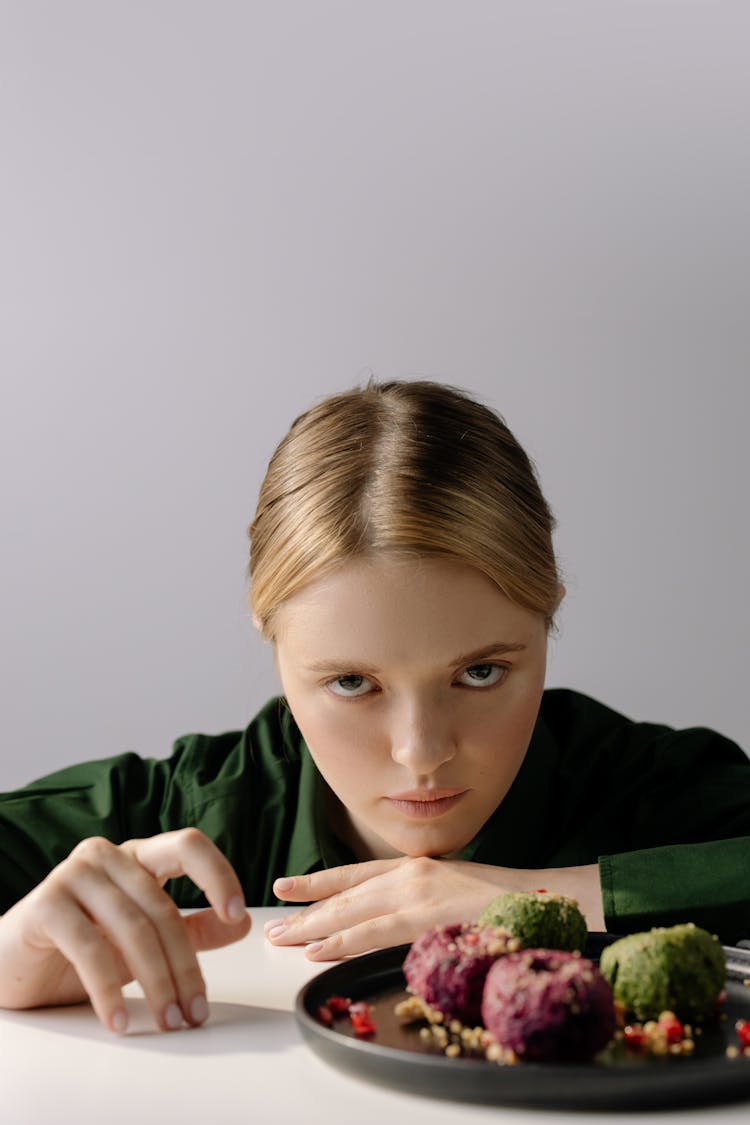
416, 684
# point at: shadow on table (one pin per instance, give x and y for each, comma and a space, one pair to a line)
230, 1029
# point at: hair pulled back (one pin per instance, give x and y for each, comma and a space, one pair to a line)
411, 467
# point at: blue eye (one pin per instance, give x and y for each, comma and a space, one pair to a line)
350, 686
482, 675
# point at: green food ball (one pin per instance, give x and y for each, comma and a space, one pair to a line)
539, 919
681, 969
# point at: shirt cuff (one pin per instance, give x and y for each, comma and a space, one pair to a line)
707, 883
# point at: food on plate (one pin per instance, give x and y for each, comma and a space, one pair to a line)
681, 969
667, 1035
548, 1005
539, 919
446, 967
479, 989
741, 1049
360, 1014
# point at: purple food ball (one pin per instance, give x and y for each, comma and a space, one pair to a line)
548, 1005
447, 967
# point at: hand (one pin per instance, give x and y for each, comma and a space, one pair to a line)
101, 919
384, 902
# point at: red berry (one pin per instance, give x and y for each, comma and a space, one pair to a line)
742, 1028
471, 938
361, 1016
541, 891
672, 1028
339, 1005
634, 1035
324, 1015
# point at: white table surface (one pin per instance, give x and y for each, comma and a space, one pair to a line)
247, 1064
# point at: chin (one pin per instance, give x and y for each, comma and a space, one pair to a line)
435, 847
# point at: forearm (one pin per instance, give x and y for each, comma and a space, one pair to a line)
581, 883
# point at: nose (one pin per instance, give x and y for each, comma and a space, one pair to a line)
422, 738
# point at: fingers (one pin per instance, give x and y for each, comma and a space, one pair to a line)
134, 916
104, 909
375, 933
363, 903
205, 930
187, 851
69, 930
323, 884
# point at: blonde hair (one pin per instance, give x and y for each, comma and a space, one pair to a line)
402, 467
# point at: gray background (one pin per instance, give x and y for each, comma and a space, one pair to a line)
215, 213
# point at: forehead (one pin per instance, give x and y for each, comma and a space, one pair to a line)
394, 608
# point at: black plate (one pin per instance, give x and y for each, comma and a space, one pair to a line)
617, 1079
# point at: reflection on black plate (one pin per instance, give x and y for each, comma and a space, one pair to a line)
617, 1079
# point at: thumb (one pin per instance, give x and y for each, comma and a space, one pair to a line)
207, 931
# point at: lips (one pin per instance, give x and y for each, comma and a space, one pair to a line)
425, 794
423, 804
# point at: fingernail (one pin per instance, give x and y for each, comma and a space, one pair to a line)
236, 909
173, 1017
284, 884
199, 1009
313, 947
277, 930
119, 1021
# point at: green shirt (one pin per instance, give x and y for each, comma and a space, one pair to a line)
665, 813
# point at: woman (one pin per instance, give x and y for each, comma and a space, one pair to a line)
402, 568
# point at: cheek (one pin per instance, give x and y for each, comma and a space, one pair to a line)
340, 743
502, 738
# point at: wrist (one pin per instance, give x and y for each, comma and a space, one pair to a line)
581, 883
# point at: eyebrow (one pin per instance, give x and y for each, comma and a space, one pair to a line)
497, 649
476, 656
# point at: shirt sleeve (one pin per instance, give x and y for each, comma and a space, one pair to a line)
665, 812
707, 883
120, 798
685, 798
240, 788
